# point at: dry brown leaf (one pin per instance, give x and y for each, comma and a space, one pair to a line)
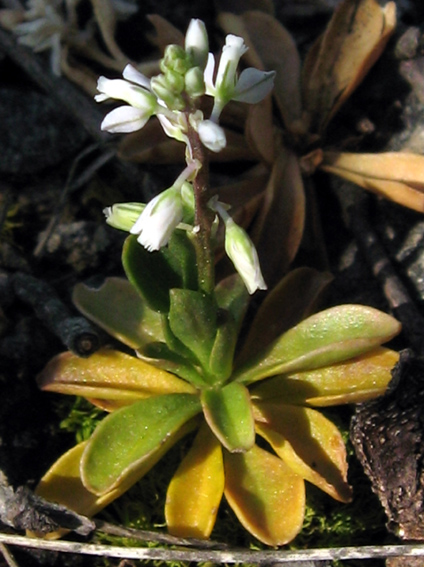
152, 145
259, 130
166, 33
397, 176
271, 47
106, 20
277, 233
240, 6
293, 299
354, 39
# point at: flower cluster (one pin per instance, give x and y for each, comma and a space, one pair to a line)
172, 96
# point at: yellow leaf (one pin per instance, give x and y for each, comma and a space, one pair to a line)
109, 375
353, 41
267, 496
196, 489
309, 443
354, 381
398, 176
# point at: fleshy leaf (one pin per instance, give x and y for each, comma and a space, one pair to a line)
118, 309
131, 437
228, 412
309, 443
196, 489
398, 176
192, 319
109, 375
222, 353
149, 273
267, 497
354, 381
161, 356
62, 484
293, 299
353, 41
331, 336
231, 294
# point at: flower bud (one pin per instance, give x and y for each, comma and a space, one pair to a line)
162, 89
212, 135
194, 82
123, 215
243, 254
197, 43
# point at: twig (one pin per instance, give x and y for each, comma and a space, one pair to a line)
8, 556
397, 295
157, 537
75, 332
220, 556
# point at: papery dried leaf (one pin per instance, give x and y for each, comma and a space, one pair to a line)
398, 176
108, 374
10, 18
353, 41
196, 489
151, 145
166, 33
277, 232
293, 299
271, 47
240, 6
309, 443
267, 497
259, 130
79, 74
354, 381
106, 19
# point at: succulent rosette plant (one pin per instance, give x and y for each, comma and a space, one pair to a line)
191, 370
185, 378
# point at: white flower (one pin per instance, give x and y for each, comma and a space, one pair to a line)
243, 254
159, 219
197, 43
251, 87
142, 103
212, 135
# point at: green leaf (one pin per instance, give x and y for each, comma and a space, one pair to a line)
228, 412
222, 353
150, 273
331, 336
293, 299
181, 256
231, 294
196, 489
108, 375
267, 497
353, 381
118, 309
131, 436
192, 319
161, 356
